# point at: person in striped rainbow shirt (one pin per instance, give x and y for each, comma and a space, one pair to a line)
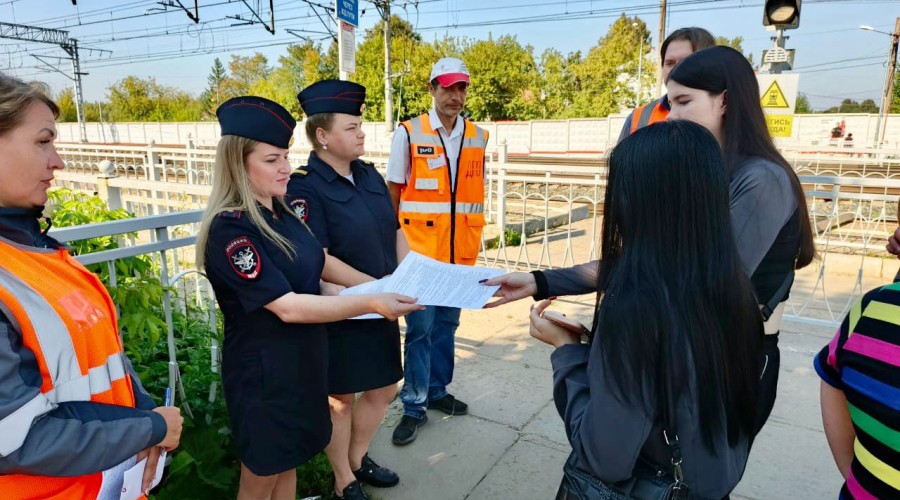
860, 396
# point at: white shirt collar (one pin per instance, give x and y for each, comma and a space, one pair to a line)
435, 120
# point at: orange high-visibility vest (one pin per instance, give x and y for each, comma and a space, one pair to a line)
67, 318
442, 221
650, 113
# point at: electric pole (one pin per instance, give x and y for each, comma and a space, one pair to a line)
54, 37
887, 98
72, 50
662, 36
384, 9
388, 89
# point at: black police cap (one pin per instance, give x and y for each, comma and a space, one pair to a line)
257, 118
333, 96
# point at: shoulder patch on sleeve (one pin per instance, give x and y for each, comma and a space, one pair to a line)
300, 207
300, 172
233, 214
244, 257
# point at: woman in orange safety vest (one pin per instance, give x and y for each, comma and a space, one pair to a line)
73, 414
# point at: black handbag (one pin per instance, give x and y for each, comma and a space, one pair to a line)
647, 482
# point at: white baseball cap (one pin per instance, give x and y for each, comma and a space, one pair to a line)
449, 70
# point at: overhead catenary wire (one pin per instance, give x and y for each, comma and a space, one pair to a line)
169, 43
616, 10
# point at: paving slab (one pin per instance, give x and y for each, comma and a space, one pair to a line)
791, 458
527, 470
508, 392
447, 461
548, 425
518, 346
788, 462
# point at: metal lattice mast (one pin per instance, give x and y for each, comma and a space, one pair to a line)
54, 37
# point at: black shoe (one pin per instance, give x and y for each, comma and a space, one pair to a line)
353, 491
449, 405
407, 429
376, 475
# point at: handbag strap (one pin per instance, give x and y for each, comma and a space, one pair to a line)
768, 308
670, 433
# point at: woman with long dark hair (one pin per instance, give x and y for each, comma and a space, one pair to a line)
676, 318
717, 88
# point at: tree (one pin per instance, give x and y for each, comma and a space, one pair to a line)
67, 112
216, 76
851, 106
736, 43
302, 66
604, 74
66, 102
505, 80
557, 81
136, 99
409, 86
803, 104
245, 72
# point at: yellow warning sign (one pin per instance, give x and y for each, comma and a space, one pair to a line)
774, 97
780, 125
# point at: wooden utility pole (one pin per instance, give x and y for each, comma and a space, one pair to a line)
659, 41
887, 98
388, 90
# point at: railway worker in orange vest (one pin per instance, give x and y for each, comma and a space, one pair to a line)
678, 45
436, 179
73, 414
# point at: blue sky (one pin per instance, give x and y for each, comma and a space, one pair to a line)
841, 60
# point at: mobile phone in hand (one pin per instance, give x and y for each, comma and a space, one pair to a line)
570, 324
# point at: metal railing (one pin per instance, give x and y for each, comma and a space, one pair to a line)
557, 218
169, 239
548, 215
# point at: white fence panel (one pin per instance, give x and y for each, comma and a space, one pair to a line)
516, 135
581, 135
548, 137
588, 136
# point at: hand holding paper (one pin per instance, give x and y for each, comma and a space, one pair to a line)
434, 283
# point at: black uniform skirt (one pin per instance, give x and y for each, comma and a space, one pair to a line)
363, 355
275, 390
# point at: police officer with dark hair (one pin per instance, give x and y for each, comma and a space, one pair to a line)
345, 202
265, 267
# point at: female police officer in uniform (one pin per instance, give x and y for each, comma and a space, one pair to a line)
346, 204
265, 267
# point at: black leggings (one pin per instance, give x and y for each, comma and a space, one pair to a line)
768, 382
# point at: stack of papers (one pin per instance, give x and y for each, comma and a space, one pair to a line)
434, 283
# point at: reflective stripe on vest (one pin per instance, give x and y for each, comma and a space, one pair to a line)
79, 355
14, 428
438, 207
442, 220
648, 114
418, 136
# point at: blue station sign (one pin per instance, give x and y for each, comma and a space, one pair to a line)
347, 11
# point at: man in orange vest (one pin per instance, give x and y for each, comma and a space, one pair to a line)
436, 179
678, 45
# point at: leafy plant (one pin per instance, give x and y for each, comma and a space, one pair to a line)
511, 238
